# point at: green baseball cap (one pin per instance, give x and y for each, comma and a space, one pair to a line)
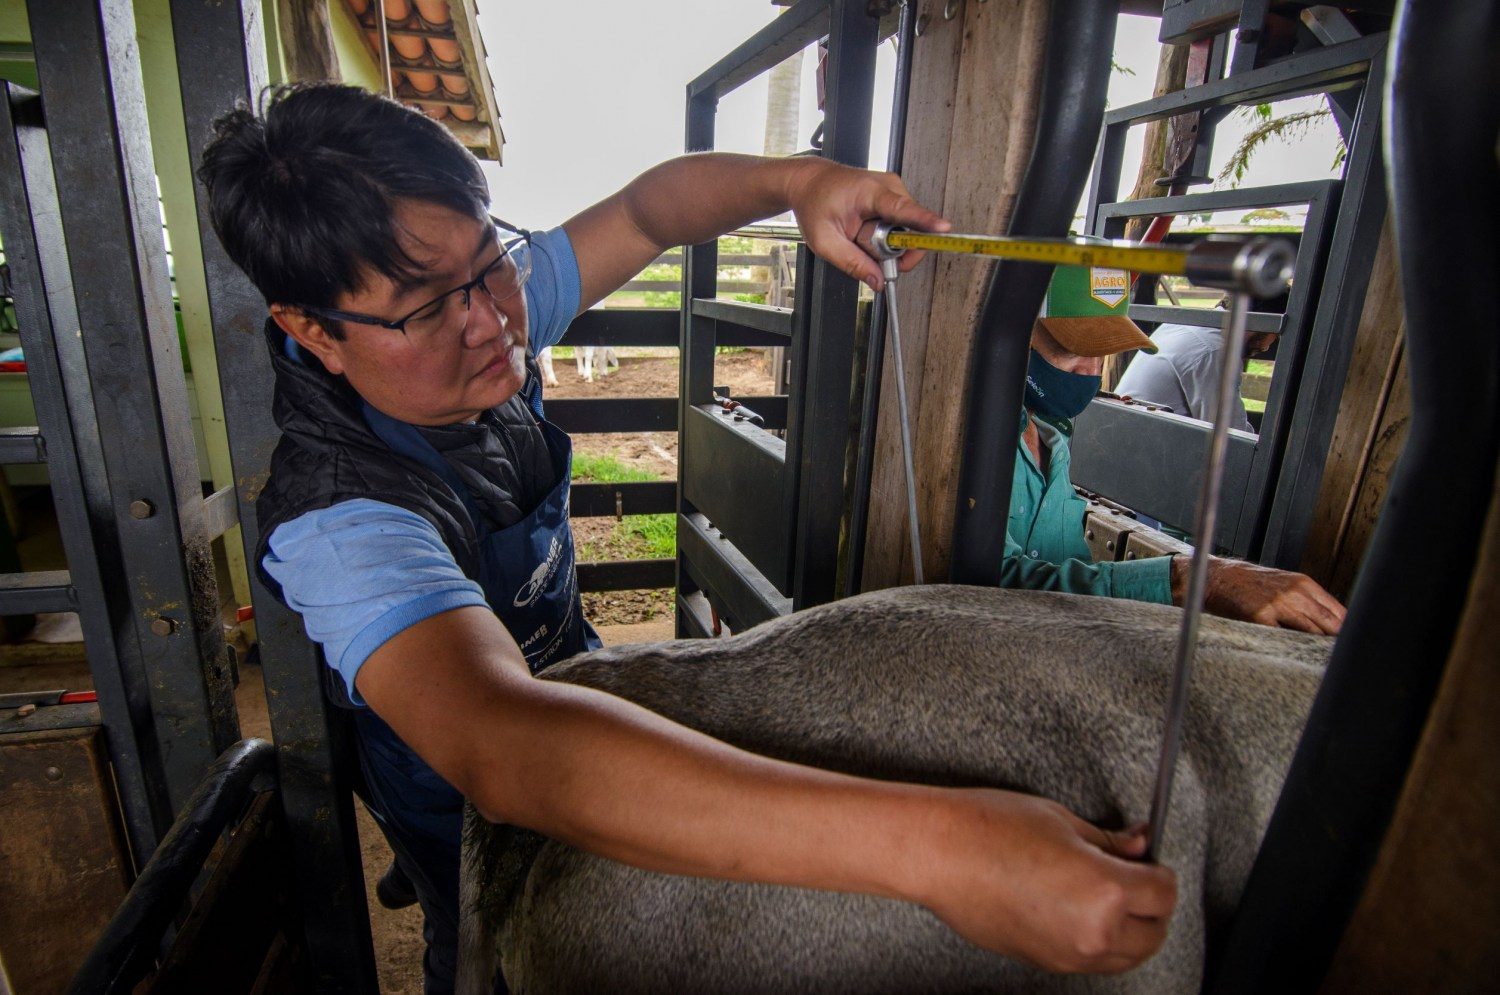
1087, 310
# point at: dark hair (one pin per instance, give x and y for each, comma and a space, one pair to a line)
303, 195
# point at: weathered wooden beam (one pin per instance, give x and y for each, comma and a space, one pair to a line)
306, 40
1371, 427
976, 84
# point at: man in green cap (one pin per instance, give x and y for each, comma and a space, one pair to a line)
1084, 319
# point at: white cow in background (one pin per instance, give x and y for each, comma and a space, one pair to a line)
544, 360
595, 359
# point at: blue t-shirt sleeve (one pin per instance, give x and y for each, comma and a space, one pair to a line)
553, 289
362, 571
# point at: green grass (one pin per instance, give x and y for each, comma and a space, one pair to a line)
606, 470
657, 532
649, 536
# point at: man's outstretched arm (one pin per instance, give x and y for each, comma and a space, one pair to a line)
696, 198
1013, 873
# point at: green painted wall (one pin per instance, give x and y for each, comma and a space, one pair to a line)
357, 64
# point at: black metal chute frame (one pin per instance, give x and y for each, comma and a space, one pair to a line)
1443, 113
1270, 504
759, 517
124, 953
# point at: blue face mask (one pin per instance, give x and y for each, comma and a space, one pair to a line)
1054, 393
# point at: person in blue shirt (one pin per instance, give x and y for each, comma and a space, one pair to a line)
415, 516
1045, 549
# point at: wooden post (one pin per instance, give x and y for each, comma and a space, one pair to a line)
976, 83
1373, 413
307, 39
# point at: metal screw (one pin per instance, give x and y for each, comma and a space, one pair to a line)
163, 626
52, 774
950, 10
922, 21
1130, 555
1109, 544
141, 509
1088, 533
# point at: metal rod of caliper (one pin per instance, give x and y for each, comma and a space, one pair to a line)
890, 271
1258, 267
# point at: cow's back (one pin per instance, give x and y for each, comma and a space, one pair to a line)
1053, 694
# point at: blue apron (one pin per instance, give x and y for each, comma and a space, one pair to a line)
530, 579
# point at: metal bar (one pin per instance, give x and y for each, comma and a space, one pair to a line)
58, 375
1318, 71
627, 575
124, 952
1104, 181
1256, 321
696, 345
690, 617
651, 497
88, 65
1330, 346
777, 321
793, 30
613, 414
725, 466
1152, 462
37, 591
22, 445
1286, 384
1075, 76
1240, 198
1203, 525
1373, 702
833, 298
69, 716
652, 327
221, 63
747, 597
625, 327
219, 512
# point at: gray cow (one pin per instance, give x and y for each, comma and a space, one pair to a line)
1058, 695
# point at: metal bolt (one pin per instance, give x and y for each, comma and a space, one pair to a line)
1130, 555
950, 10
163, 626
52, 774
922, 21
1109, 544
1088, 533
141, 509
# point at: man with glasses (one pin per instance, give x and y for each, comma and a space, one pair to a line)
416, 517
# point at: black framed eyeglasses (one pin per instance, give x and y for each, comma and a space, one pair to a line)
448, 313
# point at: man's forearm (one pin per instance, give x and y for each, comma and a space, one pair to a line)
694, 198
615, 779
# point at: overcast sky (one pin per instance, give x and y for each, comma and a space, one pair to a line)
592, 93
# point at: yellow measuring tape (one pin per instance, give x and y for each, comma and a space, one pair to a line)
1059, 251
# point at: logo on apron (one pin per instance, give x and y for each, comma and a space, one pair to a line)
537, 582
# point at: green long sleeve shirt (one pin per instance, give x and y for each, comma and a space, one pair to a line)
1044, 545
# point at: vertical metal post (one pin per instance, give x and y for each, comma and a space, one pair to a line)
58, 378
828, 380
696, 361
220, 62
90, 71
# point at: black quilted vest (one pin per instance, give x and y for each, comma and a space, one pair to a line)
328, 454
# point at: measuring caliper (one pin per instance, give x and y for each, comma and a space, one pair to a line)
1246, 268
